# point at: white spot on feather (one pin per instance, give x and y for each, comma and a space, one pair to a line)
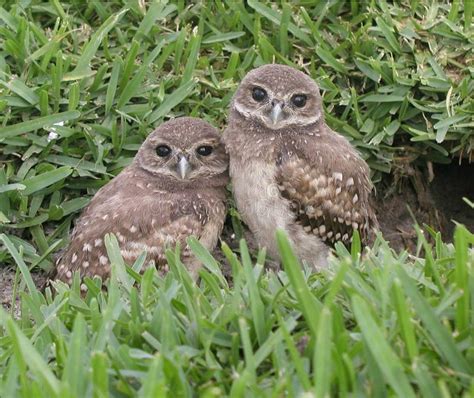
103, 260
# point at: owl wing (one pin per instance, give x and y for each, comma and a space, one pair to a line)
328, 188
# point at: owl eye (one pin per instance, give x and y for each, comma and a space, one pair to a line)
259, 94
163, 150
299, 100
204, 150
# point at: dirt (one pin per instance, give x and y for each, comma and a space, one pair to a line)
7, 281
400, 201
438, 203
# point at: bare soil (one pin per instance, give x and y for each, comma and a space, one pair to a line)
400, 202
438, 204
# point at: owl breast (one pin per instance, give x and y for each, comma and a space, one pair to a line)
264, 210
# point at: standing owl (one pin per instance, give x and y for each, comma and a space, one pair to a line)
174, 188
289, 170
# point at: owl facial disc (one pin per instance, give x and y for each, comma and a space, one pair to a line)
277, 97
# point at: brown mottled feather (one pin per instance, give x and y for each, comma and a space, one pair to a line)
328, 188
290, 171
149, 209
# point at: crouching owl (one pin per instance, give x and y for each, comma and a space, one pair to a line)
174, 188
289, 170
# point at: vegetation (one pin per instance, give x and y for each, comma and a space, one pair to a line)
387, 325
82, 84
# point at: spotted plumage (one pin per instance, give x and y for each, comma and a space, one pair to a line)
174, 188
289, 170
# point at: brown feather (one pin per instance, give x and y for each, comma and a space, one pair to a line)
149, 208
322, 184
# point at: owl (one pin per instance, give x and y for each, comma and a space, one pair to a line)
289, 170
175, 187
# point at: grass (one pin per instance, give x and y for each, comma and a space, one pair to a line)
81, 86
383, 325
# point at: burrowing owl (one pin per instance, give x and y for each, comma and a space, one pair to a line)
289, 170
174, 188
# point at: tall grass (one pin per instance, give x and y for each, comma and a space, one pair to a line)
380, 325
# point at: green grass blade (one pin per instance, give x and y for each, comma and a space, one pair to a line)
37, 123
310, 306
44, 180
322, 355
91, 47
171, 100
24, 349
441, 336
374, 338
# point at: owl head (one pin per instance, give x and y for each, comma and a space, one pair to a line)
184, 149
278, 96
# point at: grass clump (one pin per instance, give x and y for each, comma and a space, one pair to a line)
384, 325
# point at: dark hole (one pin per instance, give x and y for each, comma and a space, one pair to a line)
451, 183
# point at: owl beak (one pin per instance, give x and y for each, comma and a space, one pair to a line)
276, 111
183, 167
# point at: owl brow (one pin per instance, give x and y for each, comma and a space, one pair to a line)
261, 86
299, 92
209, 142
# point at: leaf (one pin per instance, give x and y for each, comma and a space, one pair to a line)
433, 326
11, 187
389, 363
275, 17
83, 66
171, 100
27, 353
382, 98
220, 37
38, 182
40, 122
387, 31
327, 57
310, 306
21, 89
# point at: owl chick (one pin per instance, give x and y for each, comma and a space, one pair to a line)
289, 170
174, 188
